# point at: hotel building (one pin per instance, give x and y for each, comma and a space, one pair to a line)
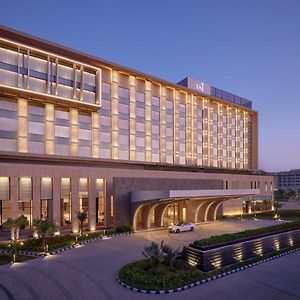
78, 133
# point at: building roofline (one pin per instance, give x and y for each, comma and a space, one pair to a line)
40, 43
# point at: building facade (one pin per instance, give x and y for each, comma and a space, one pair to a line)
78, 133
287, 180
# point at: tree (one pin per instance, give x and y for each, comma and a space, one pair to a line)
276, 206
170, 255
154, 253
43, 229
82, 217
14, 225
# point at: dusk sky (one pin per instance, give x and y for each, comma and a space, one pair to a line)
250, 48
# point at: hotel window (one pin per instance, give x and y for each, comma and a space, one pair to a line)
140, 126
62, 132
84, 195
84, 135
8, 125
155, 128
25, 198
182, 129
65, 198
199, 133
100, 194
123, 123
5, 202
105, 122
46, 198
36, 129
65, 80
169, 131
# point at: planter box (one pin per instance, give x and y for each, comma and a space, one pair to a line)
224, 255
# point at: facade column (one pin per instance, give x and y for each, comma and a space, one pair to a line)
145, 210
132, 92
73, 131
56, 206
49, 128
95, 135
92, 204
36, 198
189, 129
22, 125
74, 204
107, 199
162, 118
14, 182
148, 99
115, 114
176, 127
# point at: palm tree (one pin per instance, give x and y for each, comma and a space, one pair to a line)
14, 225
170, 255
154, 253
276, 206
82, 217
43, 229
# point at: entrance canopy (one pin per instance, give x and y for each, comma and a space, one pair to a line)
142, 196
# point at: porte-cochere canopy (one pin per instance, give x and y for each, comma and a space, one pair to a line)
156, 209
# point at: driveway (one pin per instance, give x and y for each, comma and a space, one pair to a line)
177, 240
89, 272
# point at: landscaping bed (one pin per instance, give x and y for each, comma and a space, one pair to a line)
61, 241
230, 238
137, 275
7, 258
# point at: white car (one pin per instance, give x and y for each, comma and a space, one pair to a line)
181, 226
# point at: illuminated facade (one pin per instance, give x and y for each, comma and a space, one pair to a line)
81, 121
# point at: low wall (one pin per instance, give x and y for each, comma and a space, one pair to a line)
207, 260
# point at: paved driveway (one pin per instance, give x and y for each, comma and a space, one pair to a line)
89, 272
201, 231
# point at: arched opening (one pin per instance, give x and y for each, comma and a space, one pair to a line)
174, 212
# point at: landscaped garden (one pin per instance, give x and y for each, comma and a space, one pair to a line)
48, 239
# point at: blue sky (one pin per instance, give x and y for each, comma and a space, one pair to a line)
247, 47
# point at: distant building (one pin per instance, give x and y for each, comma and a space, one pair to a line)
287, 180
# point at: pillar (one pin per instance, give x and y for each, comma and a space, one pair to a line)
95, 135
73, 131
14, 183
92, 204
22, 125
49, 128
132, 92
56, 205
148, 99
107, 199
36, 198
74, 204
